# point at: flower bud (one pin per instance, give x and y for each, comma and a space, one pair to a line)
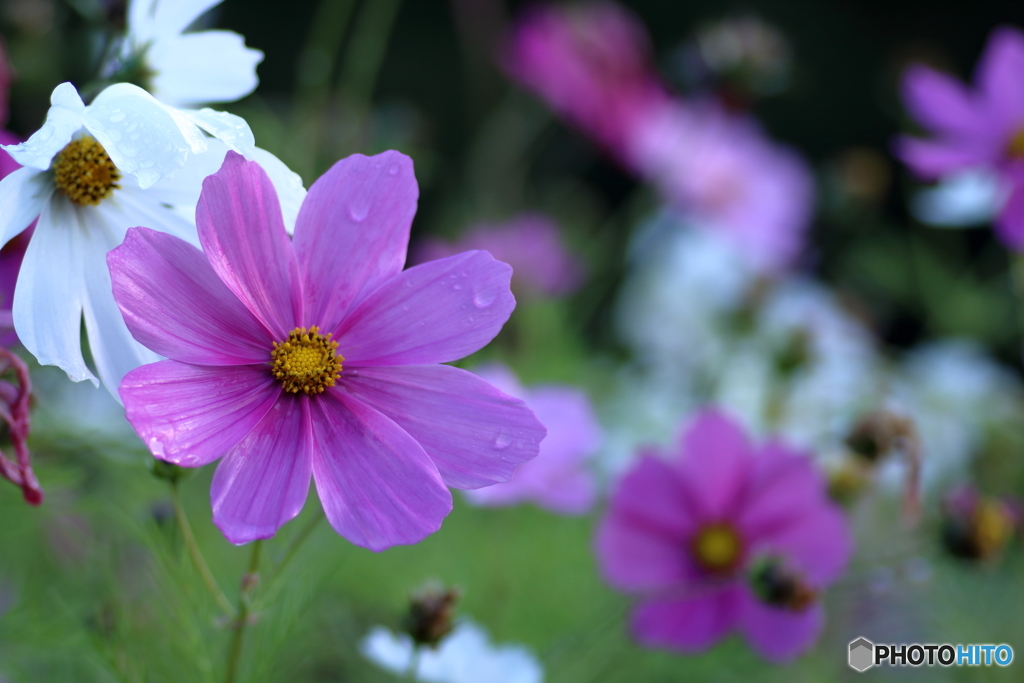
431, 611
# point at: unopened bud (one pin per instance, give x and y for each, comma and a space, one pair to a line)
431, 614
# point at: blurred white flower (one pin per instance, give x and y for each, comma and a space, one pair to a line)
89, 174
963, 199
464, 656
187, 69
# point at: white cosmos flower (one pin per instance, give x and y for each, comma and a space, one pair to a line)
89, 174
464, 656
187, 69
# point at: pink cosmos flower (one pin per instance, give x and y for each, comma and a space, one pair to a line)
530, 243
980, 128
14, 251
558, 478
319, 356
724, 537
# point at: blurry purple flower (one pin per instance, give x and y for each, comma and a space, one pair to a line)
558, 479
14, 410
722, 172
14, 251
976, 527
979, 129
724, 537
591, 64
251, 377
530, 243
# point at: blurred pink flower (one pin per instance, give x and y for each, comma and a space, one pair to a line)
979, 128
530, 243
558, 478
319, 357
724, 537
591, 64
14, 411
14, 251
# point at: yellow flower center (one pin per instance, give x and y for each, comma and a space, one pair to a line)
993, 526
307, 361
84, 173
1016, 147
716, 548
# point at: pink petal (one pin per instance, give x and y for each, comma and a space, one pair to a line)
653, 497
999, 76
263, 482
191, 415
783, 486
691, 624
474, 434
1009, 224
779, 635
377, 485
818, 543
242, 234
175, 305
432, 313
352, 232
942, 103
717, 458
932, 159
636, 557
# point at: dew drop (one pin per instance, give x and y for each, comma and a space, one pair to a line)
117, 116
358, 212
393, 170
503, 440
483, 298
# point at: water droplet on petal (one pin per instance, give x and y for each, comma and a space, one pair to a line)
483, 298
503, 440
393, 170
358, 212
117, 116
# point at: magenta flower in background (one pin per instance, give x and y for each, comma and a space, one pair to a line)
319, 357
558, 479
530, 243
724, 537
974, 129
14, 251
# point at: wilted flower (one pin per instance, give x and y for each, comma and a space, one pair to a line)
431, 615
559, 478
980, 129
976, 527
14, 411
89, 174
465, 656
724, 537
184, 69
320, 357
530, 243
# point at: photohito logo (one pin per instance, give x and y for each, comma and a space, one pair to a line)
864, 654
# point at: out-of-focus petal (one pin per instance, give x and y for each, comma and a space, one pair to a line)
63, 120
941, 103
474, 434
208, 66
263, 482
243, 236
716, 460
48, 297
432, 313
654, 497
191, 415
689, 624
782, 487
635, 556
962, 199
778, 634
175, 304
352, 232
142, 137
150, 20
1009, 223
377, 485
22, 197
999, 77
818, 543
931, 159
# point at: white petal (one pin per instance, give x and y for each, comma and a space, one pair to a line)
63, 120
390, 651
50, 288
230, 129
971, 197
114, 350
143, 137
22, 197
174, 16
181, 189
208, 66
132, 207
287, 182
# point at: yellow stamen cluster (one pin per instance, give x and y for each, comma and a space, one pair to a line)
993, 526
307, 361
84, 172
716, 548
1016, 147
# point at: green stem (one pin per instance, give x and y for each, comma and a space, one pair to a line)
366, 51
196, 553
249, 581
304, 533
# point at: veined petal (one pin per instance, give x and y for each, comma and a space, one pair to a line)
191, 415
377, 485
353, 231
263, 482
435, 312
63, 120
175, 304
142, 137
243, 236
51, 285
23, 194
474, 434
207, 66
290, 191
113, 348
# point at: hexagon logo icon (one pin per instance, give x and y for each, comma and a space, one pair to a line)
862, 654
